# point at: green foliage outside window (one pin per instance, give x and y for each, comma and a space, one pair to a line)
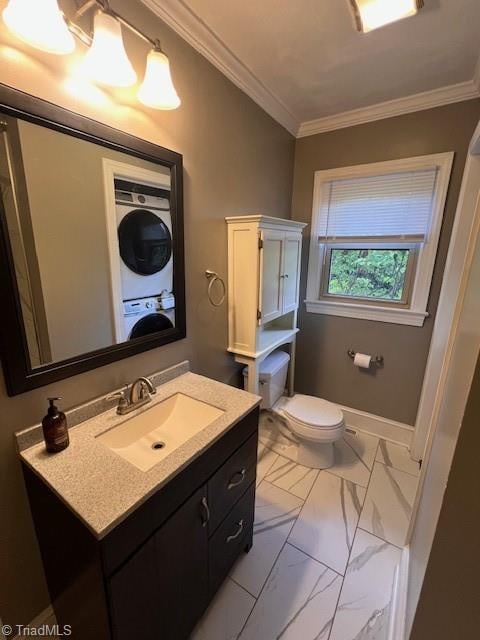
368, 273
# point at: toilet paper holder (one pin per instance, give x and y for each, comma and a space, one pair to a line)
376, 361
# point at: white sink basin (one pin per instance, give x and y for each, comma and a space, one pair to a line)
153, 434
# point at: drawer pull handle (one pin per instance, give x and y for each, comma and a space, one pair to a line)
206, 511
235, 535
234, 483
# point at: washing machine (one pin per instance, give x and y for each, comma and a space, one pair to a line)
147, 315
144, 239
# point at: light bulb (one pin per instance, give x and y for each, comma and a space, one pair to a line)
377, 13
106, 62
157, 90
39, 23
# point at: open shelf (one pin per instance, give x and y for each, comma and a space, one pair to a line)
268, 340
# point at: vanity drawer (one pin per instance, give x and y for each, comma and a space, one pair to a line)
231, 480
231, 538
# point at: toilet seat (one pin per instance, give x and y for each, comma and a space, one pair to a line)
314, 419
317, 425
313, 412
317, 434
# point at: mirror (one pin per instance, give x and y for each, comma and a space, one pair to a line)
93, 241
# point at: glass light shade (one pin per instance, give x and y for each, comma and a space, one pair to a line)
106, 62
157, 90
40, 24
377, 13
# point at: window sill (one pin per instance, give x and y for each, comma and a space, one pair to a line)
367, 312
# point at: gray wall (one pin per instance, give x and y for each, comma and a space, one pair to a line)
449, 601
323, 367
237, 161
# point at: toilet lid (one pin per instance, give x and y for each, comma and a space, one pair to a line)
313, 411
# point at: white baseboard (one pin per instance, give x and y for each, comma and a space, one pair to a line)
398, 608
397, 432
42, 618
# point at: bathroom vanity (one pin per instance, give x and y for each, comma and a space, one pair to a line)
139, 554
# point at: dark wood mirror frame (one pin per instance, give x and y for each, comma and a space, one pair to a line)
19, 375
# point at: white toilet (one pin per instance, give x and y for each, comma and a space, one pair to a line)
315, 423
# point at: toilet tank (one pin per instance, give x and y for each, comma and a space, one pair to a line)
273, 377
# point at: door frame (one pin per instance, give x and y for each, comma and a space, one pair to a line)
457, 267
457, 361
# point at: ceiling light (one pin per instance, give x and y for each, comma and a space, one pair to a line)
39, 23
372, 14
157, 90
106, 62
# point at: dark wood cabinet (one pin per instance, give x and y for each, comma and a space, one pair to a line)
231, 481
232, 536
165, 583
155, 573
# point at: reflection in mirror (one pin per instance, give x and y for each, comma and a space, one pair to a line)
90, 230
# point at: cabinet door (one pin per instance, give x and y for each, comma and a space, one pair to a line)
162, 591
270, 294
291, 271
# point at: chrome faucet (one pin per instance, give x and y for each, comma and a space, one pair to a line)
134, 396
141, 390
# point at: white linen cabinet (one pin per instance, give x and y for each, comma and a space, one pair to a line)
264, 256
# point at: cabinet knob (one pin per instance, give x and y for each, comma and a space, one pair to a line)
238, 532
234, 483
206, 512
286, 275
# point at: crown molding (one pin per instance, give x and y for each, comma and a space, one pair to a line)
179, 17
400, 106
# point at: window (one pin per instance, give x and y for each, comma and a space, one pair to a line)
375, 231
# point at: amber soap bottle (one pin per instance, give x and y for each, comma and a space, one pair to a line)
55, 430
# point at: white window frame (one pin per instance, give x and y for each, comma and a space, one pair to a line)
416, 312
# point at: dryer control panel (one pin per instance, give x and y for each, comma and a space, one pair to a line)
155, 303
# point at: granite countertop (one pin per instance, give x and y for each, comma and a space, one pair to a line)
102, 488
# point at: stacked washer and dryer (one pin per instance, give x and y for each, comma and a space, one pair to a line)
145, 245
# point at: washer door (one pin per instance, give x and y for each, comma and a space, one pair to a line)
152, 323
144, 241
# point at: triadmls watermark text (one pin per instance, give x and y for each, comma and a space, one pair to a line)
42, 631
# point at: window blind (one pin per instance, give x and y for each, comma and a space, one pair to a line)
395, 206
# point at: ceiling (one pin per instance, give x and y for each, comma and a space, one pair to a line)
307, 62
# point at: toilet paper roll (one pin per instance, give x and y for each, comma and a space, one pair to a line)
362, 360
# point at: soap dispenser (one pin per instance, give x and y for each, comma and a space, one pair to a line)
55, 430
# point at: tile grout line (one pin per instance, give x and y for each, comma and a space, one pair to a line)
332, 473
413, 475
380, 538
409, 475
346, 480
269, 468
314, 559
229, 577
275, 561
353, 542
290, 492
342, 577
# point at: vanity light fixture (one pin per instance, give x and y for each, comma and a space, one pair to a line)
106, 62
157, 90
40, 24
372, 14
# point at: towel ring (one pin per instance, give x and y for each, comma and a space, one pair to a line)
213, 277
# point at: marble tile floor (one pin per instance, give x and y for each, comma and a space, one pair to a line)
326, 545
